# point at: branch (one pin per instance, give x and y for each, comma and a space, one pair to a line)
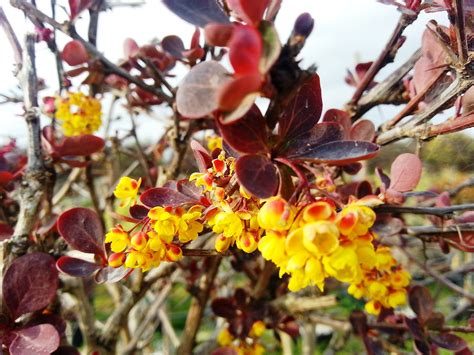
437, 231
15, 44
387, 56
434, 211
460, 30
196, 310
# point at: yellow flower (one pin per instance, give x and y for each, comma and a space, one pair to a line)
214, 142
188, 226
222, 243
317, 211
173, 252
357, 290
224, 337
276, 214
355, 220
165, 223
397, 298
139, 241
127, 190
228, 223
343, 264
118, 238
202, 179
320, 238
116, 259
258, 328
78, 114
373, 307
247, 242
272, 247
400, 279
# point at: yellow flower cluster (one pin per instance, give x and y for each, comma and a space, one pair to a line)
250, 346
127, 190
314, 242
78, 114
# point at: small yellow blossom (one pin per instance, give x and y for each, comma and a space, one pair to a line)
119, 239
78, 114
276, 214
127, 190
224, 337
214, 142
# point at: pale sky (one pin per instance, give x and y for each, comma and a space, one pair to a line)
346, 32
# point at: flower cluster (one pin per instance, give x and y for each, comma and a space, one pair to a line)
78, 114
314, 242
160, 237
249, 346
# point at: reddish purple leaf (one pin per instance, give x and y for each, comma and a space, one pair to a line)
189, 189
111, 275
6, 231
83, 145
42, 339
448, 341
197, 94
74, 53
162, 196
130, 48
76, 267
341, 152
30, 283
321, 133
245, 50
77, 6
5, 177
198, 12
363, 130
249, 10
384, 179
247, 135
341, 117
138, 212
224, 307
421, 302
303, 111
173, 45
82, 229
405, 172
415, 328
234, 96
217, 34
203, 159
258, 175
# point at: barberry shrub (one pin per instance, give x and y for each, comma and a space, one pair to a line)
255, 217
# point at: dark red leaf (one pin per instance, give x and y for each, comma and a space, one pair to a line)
189, 189
111, 275
30, 283
40, 339
217, 34
384, 179
76, 267
233, 95
342, 117
74, 53
173, 45
161, 196
415, 328
138, 212
341, 152
6, 231
198, 12
83, 145
258, 175
448, 341
245, 50
421, 302
352, 169
303, 111
464, 351
203, 159
77, 6
405, 172
224, 307
82, 229
363, 130
197, 94
321, 133
5, 177
249, 10
247, 135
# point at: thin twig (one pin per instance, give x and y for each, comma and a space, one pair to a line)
14, 43
434, 211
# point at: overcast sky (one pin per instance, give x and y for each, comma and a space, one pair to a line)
346, 32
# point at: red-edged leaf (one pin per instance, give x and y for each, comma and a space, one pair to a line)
342, 117
173, 45
197, 95
448, 341
247, 135
161, 196
217, 34
249, 10
6, 231
232, 96
130, 48
74, 53
303, 111
421, 302
82, 229
76, 267
258, 175
40, 339
110, 274
245, 50
363, 130
198, 12
321, 133
361, 69
341, 152
405, 172
77, 6
203, 159
30, 283
189, 189
83, 145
